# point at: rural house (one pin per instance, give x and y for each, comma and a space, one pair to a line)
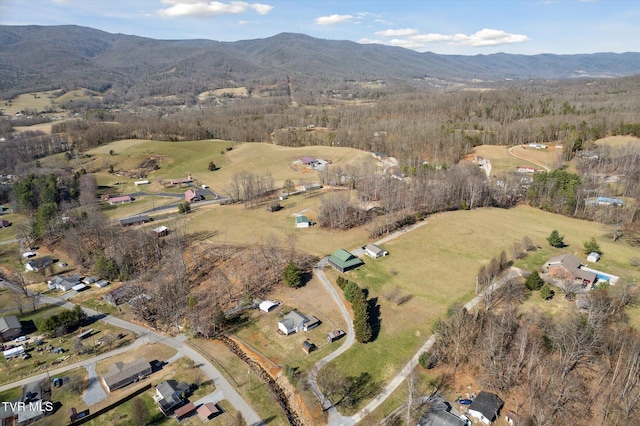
36, 265
344, 261
192, 196
303, 222
567, 266
294, 322
10, 328
135, 220
63, 283
486, 407
121, 295
121, 374
374, 251
186, 180
169, 395
120, 200
440, 418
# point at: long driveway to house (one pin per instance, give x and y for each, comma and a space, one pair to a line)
337, 419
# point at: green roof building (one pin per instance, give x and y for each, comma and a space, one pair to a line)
344, 261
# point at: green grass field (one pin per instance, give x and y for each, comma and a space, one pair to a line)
437, 264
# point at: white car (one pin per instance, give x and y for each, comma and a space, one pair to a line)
28, 254
21, 339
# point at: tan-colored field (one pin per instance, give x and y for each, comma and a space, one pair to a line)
42, 101
502, 161
618, 140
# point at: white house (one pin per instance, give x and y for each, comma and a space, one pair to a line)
593, 257
38, 264
294, 322
64, 283
374, 251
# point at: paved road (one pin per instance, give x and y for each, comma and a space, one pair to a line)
149, 337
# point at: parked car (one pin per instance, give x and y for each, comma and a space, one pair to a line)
29, 254
62, 265
465, 401
21, 339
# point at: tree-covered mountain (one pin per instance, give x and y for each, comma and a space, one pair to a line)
46, 57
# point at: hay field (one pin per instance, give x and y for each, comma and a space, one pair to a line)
502, 161
40, 101
616, 141
437, 264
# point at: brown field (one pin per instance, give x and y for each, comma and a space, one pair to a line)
618, 140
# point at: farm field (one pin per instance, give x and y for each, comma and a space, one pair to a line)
502, 161
616, 141
437, 263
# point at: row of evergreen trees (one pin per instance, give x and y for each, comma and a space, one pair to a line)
360, 305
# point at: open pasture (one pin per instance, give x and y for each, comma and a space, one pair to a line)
437, 263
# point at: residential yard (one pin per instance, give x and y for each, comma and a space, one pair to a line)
254, 390
18, 368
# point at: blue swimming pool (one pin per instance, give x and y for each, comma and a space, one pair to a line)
603, 277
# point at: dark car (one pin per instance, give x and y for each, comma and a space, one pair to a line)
465, 401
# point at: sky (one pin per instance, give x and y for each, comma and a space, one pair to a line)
464, 27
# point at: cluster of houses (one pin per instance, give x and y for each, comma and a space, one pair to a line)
170, 395
75, 282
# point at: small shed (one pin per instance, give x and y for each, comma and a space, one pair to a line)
308, 346
374, 251
334, 335
268, 305
141, 182
593, 257
102, 283
160, 231
303, 222
185, 411
208, 411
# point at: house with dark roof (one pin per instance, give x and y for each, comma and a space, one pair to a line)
36, 265
135, 220
567, 267
169, 395
440, 418
294, 322
344, 261
121, 374
122, 294
486, 407
10, 328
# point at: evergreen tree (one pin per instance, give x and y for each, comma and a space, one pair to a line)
534, 282
292, 275
545, 292
555, 239
361, 325
592, 246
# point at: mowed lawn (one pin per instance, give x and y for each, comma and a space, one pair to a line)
437, 264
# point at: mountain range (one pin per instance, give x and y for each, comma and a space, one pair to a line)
47, 57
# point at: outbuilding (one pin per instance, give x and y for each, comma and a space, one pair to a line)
268, 305
344, 261
303, 222
374, 251
593, 257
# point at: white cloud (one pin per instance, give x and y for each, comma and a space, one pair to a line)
484, 37
397, 33
334, 19
370, 41
203, 8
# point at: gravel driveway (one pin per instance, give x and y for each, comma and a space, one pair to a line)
94, 392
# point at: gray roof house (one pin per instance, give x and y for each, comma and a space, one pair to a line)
63, 283
440, 418
486, 407
169, 395
567, 266
121, 374
294, 322
36, 265
10, 328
